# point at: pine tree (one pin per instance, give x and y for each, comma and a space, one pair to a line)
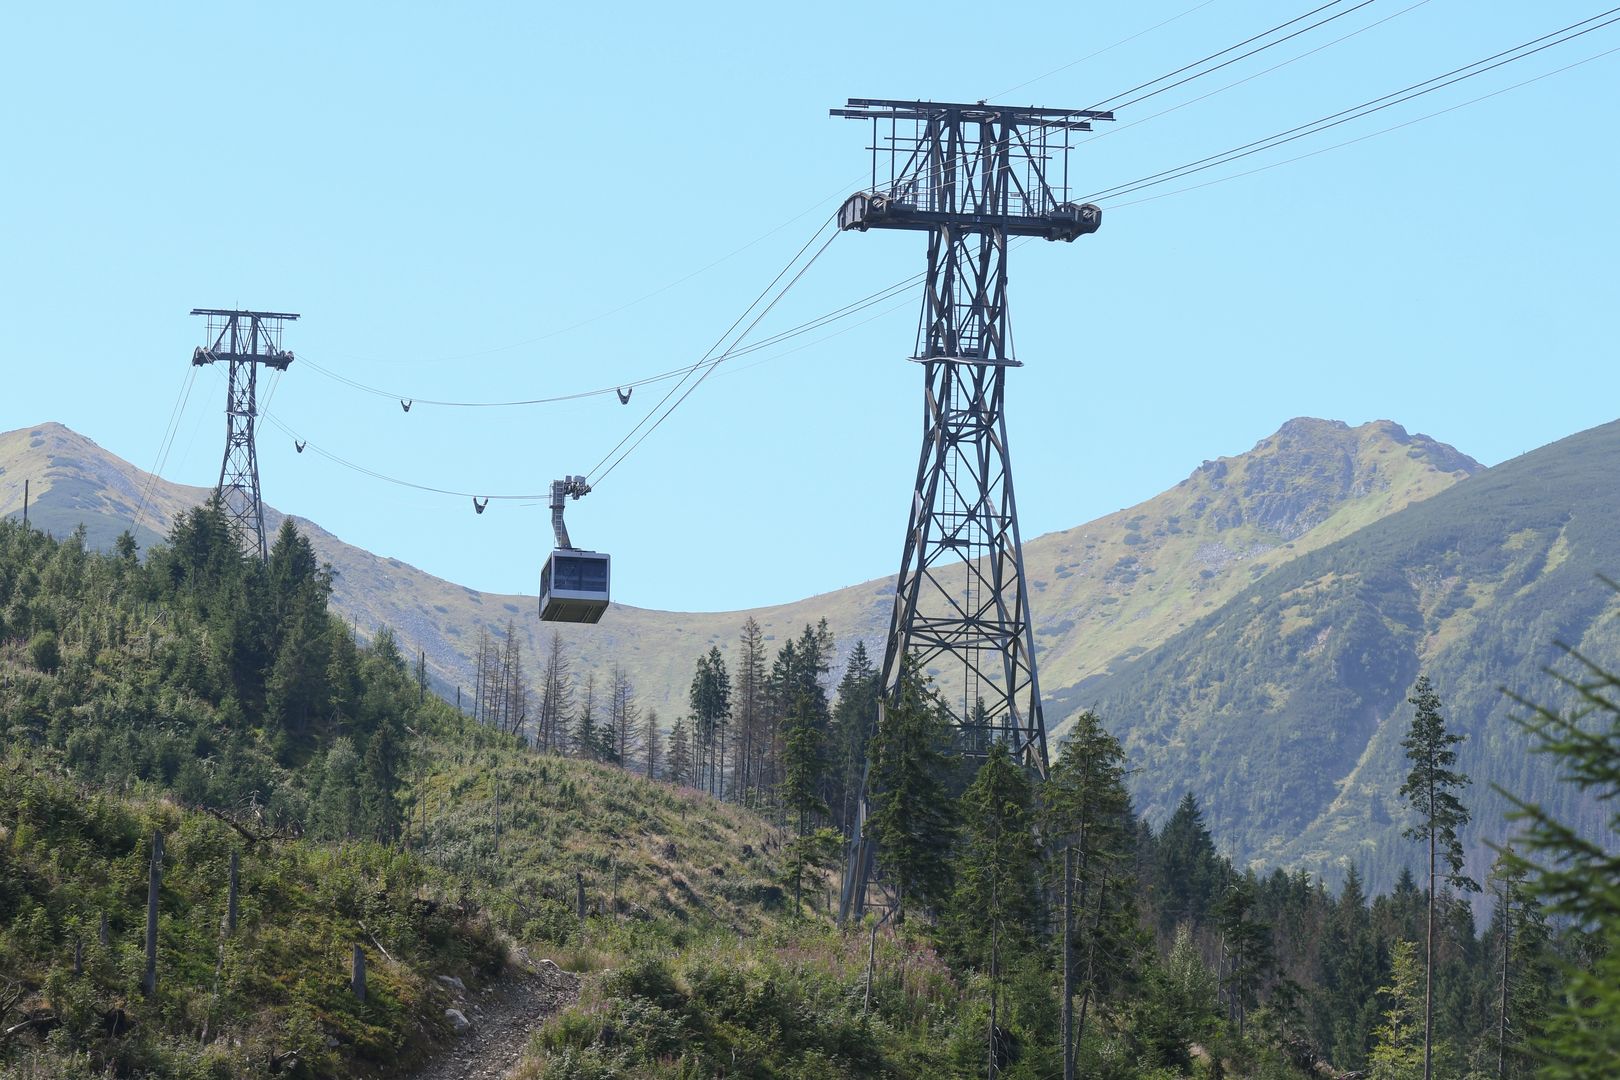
1430, 789
913, 819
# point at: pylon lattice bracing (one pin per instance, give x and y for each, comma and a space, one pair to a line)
971, 176
246, 340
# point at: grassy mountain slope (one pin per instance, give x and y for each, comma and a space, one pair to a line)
275, 991
1284, 709
1104, 590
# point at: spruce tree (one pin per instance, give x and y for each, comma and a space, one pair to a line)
749, 710
1517, 947
994, 898
1086, 811
1246, 947
1576, 876
679, 756
1398, 1053
853, 720
913, 819
710, 699
1431, 791
1188, 869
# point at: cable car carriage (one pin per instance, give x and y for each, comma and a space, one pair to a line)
574, 582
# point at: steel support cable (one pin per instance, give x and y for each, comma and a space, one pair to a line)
1106, 48
837, 194
166, 443
1115, 129
1370, 134
714, 364
1366, 108
1245, 56
374, 474
1217, 55
722, 338
1038, 130
851, 308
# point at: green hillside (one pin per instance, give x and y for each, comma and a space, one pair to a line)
217, 700
1283, 710
1101, 591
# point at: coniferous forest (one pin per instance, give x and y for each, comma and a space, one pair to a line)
1023, 927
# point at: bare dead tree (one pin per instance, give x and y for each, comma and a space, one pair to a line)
556, 698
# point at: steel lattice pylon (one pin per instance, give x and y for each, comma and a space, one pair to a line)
245, 340
971, 176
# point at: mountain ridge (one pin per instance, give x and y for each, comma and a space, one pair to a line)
1122, 582
1095, 588
1311, 664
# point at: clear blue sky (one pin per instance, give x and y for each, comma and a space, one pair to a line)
445, 191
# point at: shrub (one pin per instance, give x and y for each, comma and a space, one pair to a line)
44, 652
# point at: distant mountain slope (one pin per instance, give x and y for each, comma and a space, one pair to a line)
1111, 588
1284, 709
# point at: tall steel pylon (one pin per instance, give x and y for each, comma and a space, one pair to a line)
247, 340
970, 176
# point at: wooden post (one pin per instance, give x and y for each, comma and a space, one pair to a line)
871, 964
230, 899
154, 881
995, 947
357, 973
1068, 964
579, 894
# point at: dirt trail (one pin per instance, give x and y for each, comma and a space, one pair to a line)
502, 1017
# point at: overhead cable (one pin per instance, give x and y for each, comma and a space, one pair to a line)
165, 444
878, 297
1366, 108
705, 358
716, 363
1370, 134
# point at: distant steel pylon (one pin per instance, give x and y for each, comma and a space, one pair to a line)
247, 340
970, 176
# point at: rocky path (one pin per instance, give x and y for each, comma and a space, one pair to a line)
502, 1017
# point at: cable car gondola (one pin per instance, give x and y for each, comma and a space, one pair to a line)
574, 582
